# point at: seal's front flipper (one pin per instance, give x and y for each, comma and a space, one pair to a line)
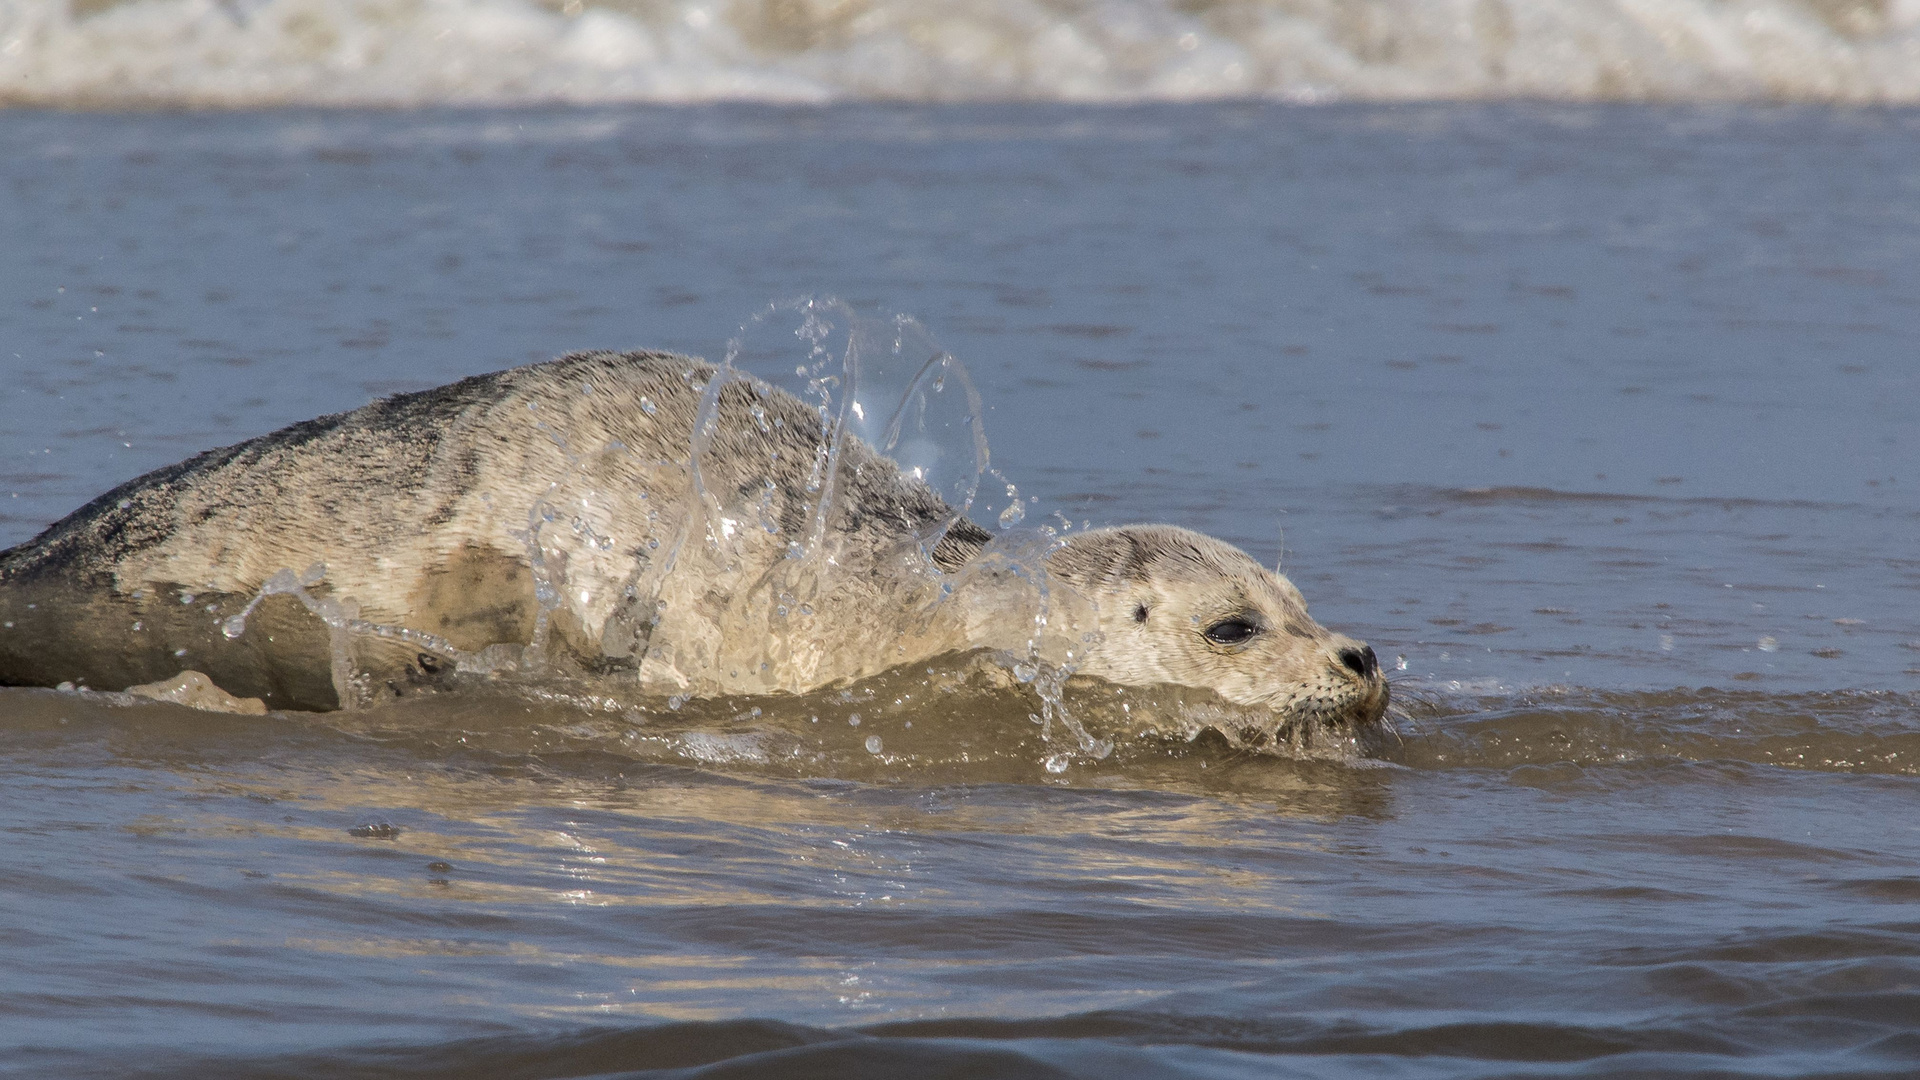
196, 691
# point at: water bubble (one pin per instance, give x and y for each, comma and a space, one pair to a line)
1057, 763
873, 744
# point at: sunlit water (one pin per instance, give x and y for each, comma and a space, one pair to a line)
1597, 418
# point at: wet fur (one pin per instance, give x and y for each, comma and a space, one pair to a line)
418, 507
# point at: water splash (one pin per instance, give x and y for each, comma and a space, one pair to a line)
341, 616
882, 380
282, 583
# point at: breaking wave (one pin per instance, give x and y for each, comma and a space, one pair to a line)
250, 53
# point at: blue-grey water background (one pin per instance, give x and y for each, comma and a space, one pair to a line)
1595, 417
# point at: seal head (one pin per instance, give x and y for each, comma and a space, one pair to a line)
1177, 606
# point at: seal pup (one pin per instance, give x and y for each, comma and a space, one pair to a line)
639, 516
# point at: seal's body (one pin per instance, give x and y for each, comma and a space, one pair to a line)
559, 514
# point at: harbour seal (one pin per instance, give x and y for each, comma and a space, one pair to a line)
641, 517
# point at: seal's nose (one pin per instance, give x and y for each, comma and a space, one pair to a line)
1361, 661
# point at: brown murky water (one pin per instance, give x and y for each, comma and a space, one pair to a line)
1594, 421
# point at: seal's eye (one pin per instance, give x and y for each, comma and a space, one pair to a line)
1231, 632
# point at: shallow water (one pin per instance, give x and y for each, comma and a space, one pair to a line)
1596, 416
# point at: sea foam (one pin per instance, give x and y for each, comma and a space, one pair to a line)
241, 53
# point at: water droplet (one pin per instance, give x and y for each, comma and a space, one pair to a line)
854, 720
1057, 763
233, 627
1769, 644
1012, 515
873, 744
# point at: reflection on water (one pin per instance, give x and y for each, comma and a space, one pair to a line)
1859, 731
526, 868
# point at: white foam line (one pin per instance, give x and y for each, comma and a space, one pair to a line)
235, 53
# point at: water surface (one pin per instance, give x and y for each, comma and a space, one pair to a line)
1595, 416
